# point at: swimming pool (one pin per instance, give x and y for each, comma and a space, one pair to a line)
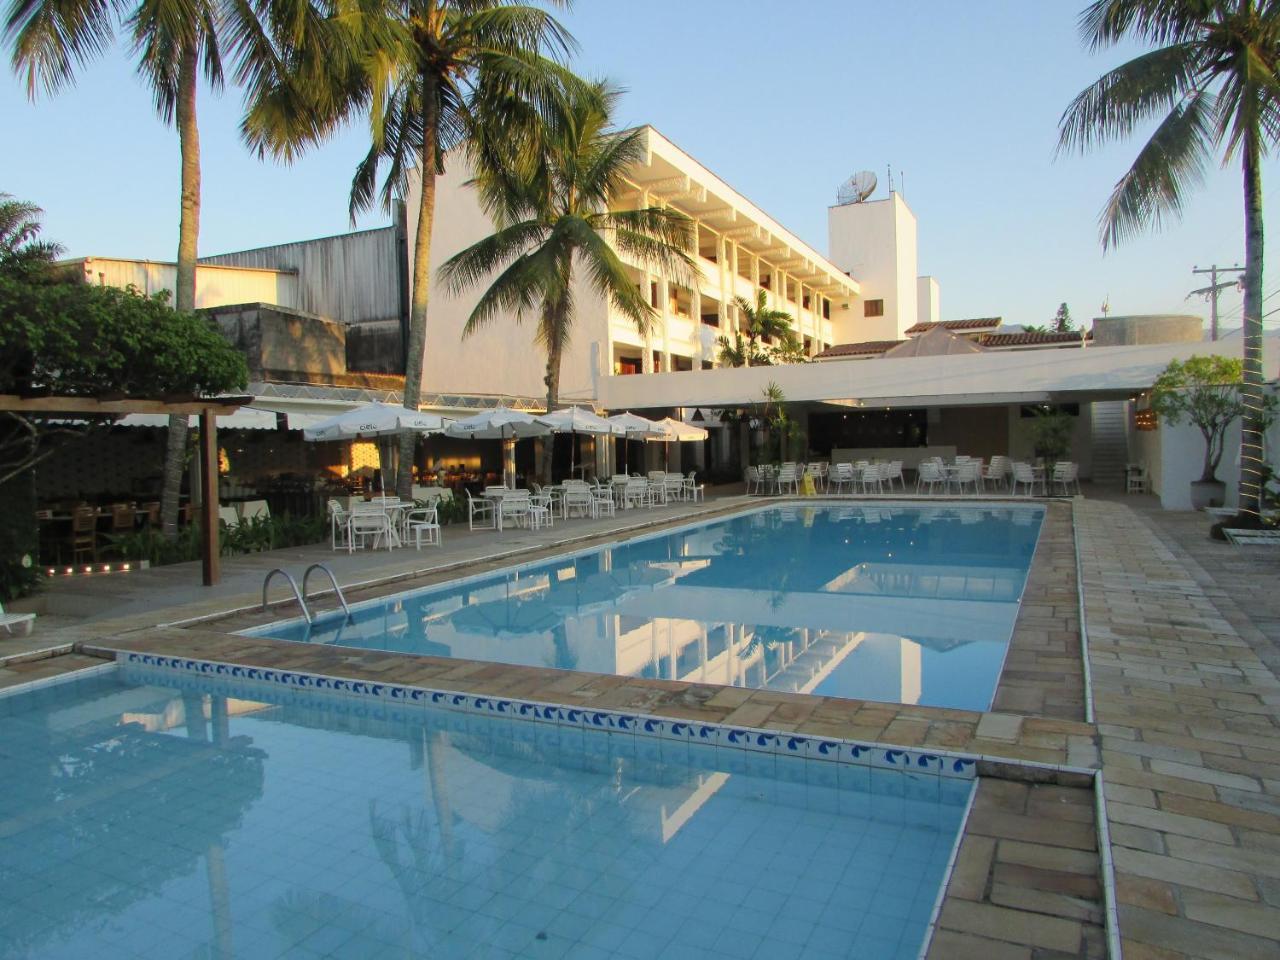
148, 814
907, 604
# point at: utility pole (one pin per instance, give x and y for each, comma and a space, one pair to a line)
1212, 292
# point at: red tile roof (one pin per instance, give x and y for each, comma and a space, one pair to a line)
1033, 338
866, 348
977, 323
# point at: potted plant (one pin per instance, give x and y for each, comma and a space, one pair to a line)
1203, 391
1051, 431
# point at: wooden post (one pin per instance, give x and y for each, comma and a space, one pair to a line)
209, 496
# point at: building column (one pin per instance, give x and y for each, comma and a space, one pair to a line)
646, 358
664, 298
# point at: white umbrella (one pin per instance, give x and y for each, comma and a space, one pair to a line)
577, 420
372, 420
500, 423
676, 431
637, 428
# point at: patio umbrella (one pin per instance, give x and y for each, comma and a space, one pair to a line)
637, 428
576, 420
500, 423
676, 431
374, 420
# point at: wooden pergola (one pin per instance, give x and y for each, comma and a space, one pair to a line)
207, 408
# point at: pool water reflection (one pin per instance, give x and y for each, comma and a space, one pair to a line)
908, 604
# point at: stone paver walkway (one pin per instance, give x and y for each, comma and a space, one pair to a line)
1190, 724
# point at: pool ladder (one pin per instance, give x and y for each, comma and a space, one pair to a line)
301, 594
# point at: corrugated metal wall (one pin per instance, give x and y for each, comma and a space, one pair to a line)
352, 278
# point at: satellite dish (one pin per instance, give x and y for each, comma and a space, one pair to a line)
857, 188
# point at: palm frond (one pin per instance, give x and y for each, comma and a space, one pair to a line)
1132, 93
1171, 161
51, 39
1105, 23
479, 261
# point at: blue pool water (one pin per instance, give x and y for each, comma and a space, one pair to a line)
902, 604
155, 815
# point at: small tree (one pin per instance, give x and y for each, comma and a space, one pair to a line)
1062, 320
1051, 431
1204, 391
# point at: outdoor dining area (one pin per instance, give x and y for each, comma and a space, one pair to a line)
382, 521
963, 474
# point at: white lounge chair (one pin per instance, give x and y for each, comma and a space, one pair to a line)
788, 480
842, 475
22, 621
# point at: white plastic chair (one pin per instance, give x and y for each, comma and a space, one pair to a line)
929, 475
1024, 476
23, 621
1066, 473
968, 473
602, 502
368, 523
255, 508
693, 491
787, 478
842, 476
480, 513
1135, 478
996, 471
338, 532
577, 496
869, 477
514, 507
422, 525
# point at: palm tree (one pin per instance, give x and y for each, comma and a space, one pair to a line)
175, 41
549, 200
762, 322
1212, 83
420, 69
737, 352
22, 252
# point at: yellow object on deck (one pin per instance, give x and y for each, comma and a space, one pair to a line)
806, 486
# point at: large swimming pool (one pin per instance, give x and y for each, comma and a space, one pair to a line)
908, 604
151, 814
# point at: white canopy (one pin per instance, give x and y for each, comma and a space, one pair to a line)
677, 431
500, 423
637, 427
371, 420
578, 420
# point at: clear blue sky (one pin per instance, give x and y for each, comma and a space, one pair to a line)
782, 100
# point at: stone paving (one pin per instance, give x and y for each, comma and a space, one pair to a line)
1190, 723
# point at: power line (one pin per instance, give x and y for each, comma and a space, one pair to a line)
1213, 290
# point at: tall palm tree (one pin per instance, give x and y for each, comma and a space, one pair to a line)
419, 69
549, 198
762, 322
1212, 83
175, 41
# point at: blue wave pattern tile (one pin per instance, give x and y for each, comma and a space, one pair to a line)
360, 821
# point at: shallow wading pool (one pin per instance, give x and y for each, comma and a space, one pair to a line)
156, 813
899, 603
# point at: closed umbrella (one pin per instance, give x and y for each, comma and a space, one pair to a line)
500, 423
576, 420
637, 428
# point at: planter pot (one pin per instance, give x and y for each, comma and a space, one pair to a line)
1207, 493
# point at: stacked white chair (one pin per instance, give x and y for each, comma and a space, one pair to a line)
788, 480
843, 476
1024, 476
1065, 475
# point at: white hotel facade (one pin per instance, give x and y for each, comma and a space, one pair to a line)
867, 290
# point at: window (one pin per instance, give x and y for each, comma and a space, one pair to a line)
628, 366
873, 308
653, 294
826, 309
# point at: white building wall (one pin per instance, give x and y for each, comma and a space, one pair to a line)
875, 242
1175, 458
928, 294
503, 357
215, 286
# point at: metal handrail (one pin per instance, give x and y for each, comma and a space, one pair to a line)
332, 579
292, 583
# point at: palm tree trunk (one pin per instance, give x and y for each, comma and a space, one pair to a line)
1250, 494
184, 299
416, 349
553, 401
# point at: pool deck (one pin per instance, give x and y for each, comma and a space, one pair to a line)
1185, 735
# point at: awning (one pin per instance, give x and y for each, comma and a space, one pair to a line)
246, 418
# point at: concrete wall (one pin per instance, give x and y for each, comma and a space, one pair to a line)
1147, 328
283, 344
502, 357
1022, 446
928, 300
875, 242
